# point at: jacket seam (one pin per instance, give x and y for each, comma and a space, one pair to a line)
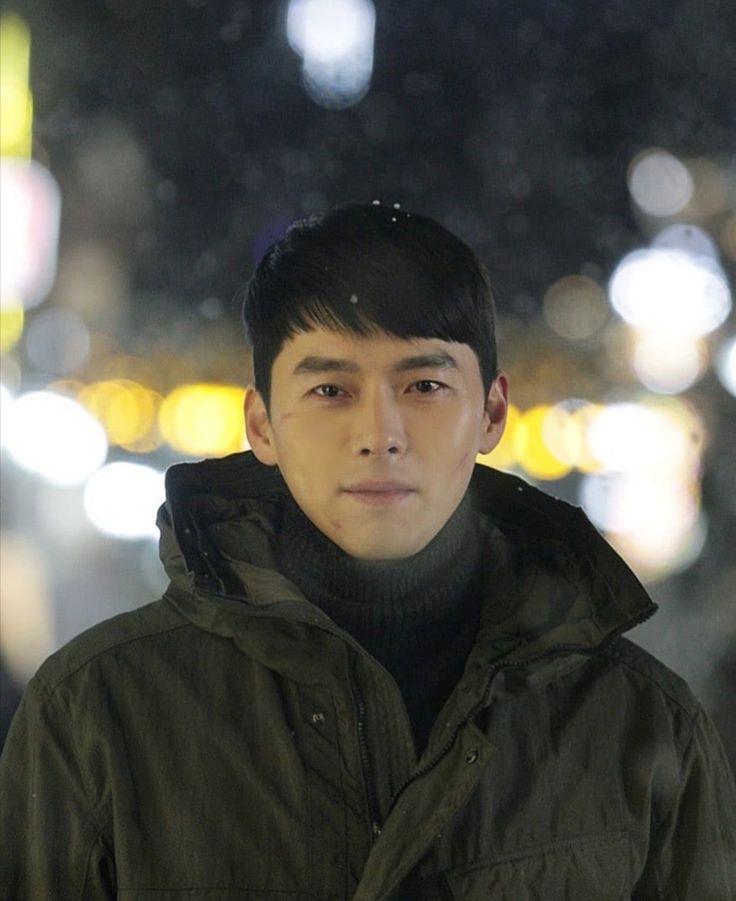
659, 826
97, 838
545, 848
51, 688
612, 654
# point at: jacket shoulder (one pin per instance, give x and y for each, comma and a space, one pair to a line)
105, 637
645, 667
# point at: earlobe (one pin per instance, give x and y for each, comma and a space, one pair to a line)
258, 428
494, 417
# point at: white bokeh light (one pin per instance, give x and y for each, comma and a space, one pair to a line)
664, 288
726, 365
335, 41
638, 502
55, 438
6, 403
122, 499
686, 238
30, 209
668, 362
659, 183
630, 437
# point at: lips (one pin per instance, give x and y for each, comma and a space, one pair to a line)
380, 493
386, 485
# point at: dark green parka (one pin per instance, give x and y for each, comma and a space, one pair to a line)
230, 742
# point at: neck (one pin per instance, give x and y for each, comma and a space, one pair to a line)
319, 567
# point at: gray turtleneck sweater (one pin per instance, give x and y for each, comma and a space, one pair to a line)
417, 616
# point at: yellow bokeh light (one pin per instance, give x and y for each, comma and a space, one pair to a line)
127, 410
532, 450
16, 103
565, 432
503, 455
12, 318
204, 420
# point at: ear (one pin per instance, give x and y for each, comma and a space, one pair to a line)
494, 417
258, 427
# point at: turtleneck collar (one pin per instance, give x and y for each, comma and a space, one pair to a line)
320, 568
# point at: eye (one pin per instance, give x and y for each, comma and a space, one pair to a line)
438, 386
329, 388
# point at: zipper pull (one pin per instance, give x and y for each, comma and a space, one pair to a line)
376, 829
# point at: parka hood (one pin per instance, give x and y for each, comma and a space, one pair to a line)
554, 586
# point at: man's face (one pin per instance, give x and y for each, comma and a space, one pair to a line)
346, 410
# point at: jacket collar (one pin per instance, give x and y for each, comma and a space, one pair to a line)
553, 584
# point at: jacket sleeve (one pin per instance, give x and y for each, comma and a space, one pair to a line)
693, 847
52, 848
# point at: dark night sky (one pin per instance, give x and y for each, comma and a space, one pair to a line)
513, 123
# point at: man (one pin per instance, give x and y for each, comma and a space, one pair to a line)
380, 671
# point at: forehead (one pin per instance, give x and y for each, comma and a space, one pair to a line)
322, 350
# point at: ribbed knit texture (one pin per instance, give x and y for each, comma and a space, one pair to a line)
418, 616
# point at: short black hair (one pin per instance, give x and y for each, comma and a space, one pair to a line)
363, 269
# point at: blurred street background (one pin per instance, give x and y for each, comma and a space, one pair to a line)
151, 152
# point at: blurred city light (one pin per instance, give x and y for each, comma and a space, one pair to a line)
670, 289
26, 613
127, 410
654, 514
638, 502
335, 41
30, 205
575, 307
54, 437
663, 550
659, 183
668, 362
16, 102
204, 419
712, 194
687, 238
57, 341
628, 437
12, 319
6, 402
726, 365
532, 448
565, 432
122, 499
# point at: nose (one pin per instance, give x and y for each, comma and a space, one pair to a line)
378, 427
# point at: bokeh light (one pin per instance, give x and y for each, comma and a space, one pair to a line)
687, 238
204, 419
668, 362
12, 319
54, 437
57, 341
7, 400
16, 102
127, 410
726, 365
335, 40
670, 289
532, 448
659, 183
26, 613
565, 430
121, 500
30, 208
575, 307
636, 437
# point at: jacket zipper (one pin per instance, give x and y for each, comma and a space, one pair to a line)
366, 762
491, 674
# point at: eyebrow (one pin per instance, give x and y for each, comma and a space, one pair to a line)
314, 365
